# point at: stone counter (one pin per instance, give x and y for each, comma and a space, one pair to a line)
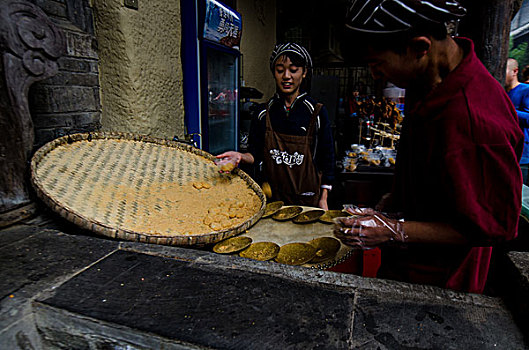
75, 291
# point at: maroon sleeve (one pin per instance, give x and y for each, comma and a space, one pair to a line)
486, 189
482, 171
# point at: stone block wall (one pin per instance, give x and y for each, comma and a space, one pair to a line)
70, 101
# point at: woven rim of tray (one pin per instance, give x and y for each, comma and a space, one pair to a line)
98, 227
324, 265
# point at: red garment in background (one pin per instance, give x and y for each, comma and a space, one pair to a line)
457, 163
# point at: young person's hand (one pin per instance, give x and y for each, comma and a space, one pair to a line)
228, 161
322, 203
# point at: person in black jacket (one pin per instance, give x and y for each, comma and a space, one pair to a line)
291, 139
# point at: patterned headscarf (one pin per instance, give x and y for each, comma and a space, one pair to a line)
299, 50
392, 16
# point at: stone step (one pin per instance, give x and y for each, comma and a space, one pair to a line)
222, 302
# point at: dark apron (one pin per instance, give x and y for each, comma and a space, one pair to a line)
289, 165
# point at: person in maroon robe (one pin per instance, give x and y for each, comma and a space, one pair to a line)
457, 187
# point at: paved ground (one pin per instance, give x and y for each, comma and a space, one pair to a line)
75, 291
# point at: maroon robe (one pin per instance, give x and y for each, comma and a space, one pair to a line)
458, 164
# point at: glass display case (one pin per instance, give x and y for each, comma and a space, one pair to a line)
222, 101
211, 36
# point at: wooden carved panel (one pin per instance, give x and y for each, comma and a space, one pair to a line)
30, 45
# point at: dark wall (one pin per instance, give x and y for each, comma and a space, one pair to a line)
69, 102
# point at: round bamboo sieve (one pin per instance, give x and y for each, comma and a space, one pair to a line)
120, 185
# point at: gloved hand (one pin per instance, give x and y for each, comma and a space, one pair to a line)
355, 210
369, 231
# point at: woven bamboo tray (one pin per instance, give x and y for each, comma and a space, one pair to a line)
120, 186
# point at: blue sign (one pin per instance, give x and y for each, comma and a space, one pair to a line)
222, 25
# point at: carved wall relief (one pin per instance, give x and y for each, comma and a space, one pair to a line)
30, 45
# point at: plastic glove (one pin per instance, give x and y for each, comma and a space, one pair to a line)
369, 231
355, 210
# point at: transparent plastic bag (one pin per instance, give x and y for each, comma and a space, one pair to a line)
368, 227
225, 165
